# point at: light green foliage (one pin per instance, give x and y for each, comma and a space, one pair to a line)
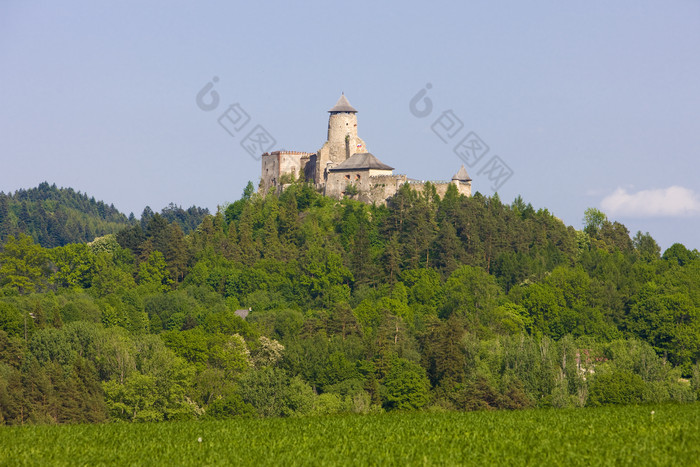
110, 278
192, 345
104, 244
662, 382
424, 290
593, 220
228, 407
330, 403
337, 370
234, 210
231, 354
156, 390
372, 311
510, 318
11, 319
133, 400
617, 387
325, 276
544, 303
74, 266
273, 393
678, 253
406, 386
666, 317
470, 291
268, 354
22, 265
646, 247
153, 273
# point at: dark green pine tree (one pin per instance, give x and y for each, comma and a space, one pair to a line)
361, 264
272, 248
289, 219
229, 247
176, 254
442, 356
449, 253
7, 227
246, 242
393, 257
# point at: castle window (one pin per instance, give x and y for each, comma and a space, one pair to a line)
347, 177
357, 177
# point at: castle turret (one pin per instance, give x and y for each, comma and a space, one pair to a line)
342, 141
462, 181
342, 121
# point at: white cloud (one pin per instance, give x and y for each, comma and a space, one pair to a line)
673, 201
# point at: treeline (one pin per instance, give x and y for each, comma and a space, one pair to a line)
449, 304
59, 216
187, 219
56, 216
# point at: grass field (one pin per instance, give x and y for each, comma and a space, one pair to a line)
603, 436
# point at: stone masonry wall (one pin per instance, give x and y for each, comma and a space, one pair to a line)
281, 167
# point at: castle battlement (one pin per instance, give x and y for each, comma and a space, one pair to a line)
290, 153
423, 182
343, 167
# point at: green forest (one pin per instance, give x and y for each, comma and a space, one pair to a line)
55, 216
299, 304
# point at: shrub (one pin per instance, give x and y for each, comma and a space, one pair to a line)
617, 387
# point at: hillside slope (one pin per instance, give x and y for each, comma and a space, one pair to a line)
55, 216
449, 303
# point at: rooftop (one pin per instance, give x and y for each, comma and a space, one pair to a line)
462, 175
343, 106
360, 161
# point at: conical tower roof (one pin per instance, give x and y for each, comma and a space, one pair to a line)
343, 106
462, 175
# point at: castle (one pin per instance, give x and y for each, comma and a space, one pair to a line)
343, 167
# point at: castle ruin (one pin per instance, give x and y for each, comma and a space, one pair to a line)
344, 167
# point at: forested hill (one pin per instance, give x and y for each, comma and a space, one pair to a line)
452, 304
58, 216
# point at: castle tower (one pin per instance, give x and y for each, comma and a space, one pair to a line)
462, 181
342, 141
342, 121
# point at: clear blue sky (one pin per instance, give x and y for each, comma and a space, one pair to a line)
590, 104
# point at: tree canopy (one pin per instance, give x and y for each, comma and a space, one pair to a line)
455, 303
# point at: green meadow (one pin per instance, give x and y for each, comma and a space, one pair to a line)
640, 435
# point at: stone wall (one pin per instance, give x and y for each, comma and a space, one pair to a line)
270, 172
370, 189
337, 182
281, 167
342, 143
464, 188
341, 124
378, 189
383, 187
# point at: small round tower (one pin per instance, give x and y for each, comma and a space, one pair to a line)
462, 181
342, 121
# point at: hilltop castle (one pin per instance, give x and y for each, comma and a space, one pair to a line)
343, 167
